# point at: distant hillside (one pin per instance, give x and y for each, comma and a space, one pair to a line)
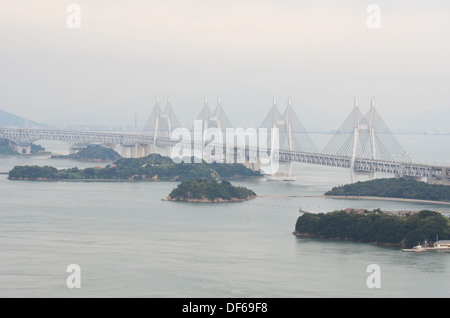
5, 148
151, 168
394, 188
8, 119
93, 153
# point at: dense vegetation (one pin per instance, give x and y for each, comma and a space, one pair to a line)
7, 150
210, 191
5, 147
394, 188
37, 148
93, 153
11, 120
153, 167
375, 227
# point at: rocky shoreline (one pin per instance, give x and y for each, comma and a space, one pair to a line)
89, 160
310, 235
204, 200
355, 197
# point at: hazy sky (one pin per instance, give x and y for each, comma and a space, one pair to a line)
321, 52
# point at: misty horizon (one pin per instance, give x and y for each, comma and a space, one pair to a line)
320, 53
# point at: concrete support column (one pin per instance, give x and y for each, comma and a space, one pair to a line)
137, 150
289, 168
255, 166
143, 150
110, 146
23, 149
169, 151
147, 150
445, 176
431, 179
125, 151
399, 174
444, 180
133, 151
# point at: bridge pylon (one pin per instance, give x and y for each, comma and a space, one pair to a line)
291, 133
211, 125
160, 123
365, 137
214, 119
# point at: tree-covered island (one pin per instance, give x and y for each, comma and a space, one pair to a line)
92, 153
203, 190
375, 227
151, 168
394, 188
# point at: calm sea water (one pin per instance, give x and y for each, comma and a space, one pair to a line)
129, 243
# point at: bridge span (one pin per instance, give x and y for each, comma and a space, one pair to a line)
363, 143
141, 145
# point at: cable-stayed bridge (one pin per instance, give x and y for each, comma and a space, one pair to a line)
363, 143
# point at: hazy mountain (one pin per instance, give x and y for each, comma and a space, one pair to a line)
11, 120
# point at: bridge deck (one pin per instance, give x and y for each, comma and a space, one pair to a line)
28, 136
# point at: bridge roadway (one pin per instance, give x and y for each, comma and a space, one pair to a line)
25, 137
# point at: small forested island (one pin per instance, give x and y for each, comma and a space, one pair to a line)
203, 190
375, 227
151, 168
394, 188
92, 153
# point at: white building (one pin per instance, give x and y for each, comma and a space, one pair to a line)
442, 244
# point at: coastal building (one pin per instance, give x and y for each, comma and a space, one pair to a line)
442, 244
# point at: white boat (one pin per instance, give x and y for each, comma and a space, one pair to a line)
415, 249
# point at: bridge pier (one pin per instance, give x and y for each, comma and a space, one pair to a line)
256, 166
399, 174
147, 150
139, 151
281, 176
136, 150
142, 150
129, 149
110, 146
289, 166
443, 178
23, 149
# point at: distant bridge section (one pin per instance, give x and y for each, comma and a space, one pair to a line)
24, 137
362, 144
78, 139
